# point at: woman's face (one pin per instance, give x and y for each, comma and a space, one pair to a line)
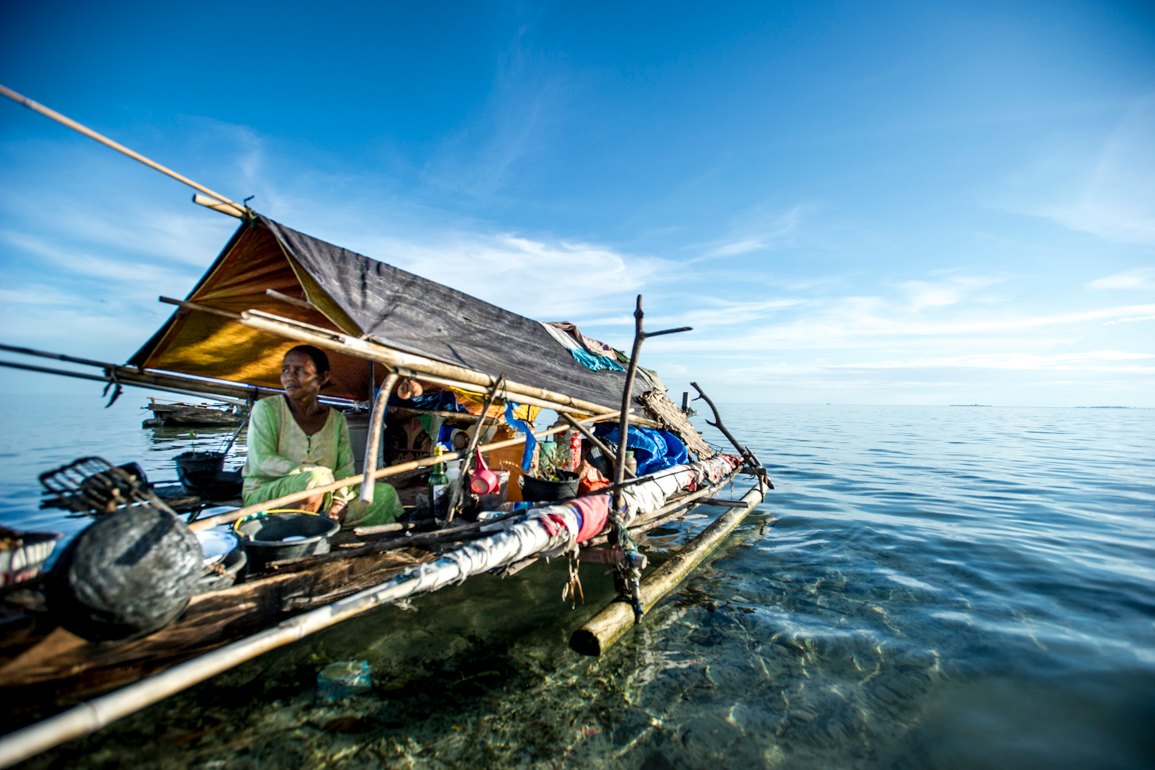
299, 376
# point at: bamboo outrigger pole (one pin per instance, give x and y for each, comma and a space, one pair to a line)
605, 628
171, 382
218, 203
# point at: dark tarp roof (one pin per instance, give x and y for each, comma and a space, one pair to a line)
358, 296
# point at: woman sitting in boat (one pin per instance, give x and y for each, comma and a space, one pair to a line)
296, 443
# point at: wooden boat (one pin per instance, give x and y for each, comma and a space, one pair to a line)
488, 371
179, 414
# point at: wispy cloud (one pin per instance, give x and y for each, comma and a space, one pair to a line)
1139, 278
951, 290
526, 103
836, 330
88, 262
760, 229
857, 320
1100, 360
723, 313
1114, 198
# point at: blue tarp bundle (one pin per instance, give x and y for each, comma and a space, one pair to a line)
654, 450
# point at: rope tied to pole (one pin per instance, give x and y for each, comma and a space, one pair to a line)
628, 569
572, 589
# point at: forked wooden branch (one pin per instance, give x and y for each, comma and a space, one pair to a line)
751, 460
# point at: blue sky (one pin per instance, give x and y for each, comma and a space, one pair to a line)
908, 203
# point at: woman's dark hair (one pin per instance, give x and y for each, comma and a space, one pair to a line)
320, 360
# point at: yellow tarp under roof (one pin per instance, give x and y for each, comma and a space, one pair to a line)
361, 297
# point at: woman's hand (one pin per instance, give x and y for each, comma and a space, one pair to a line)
337, 511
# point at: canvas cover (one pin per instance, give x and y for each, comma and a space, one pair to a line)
359, 296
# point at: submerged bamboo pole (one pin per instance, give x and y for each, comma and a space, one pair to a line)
605, 628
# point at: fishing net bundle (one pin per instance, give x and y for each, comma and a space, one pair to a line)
129, 573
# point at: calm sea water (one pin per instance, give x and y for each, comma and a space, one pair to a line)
927, 588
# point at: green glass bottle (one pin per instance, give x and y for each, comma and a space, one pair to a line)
438, 486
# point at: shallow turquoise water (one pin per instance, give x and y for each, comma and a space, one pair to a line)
926, 588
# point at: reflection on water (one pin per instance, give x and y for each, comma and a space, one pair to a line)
927, 588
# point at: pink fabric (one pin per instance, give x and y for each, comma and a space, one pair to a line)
553, 524
594, 510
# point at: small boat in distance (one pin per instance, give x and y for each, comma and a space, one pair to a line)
179, 414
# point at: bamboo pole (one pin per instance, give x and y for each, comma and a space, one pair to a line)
605, 628
396, 359
215, 205
458, 490
133, 378
228, 206
54, 356
282, 297
392, 470
373, 443
393, 358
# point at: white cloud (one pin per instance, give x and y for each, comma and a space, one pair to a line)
929, 294
1139, 278
1099, 360
36, 295
536, 277
716, 312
